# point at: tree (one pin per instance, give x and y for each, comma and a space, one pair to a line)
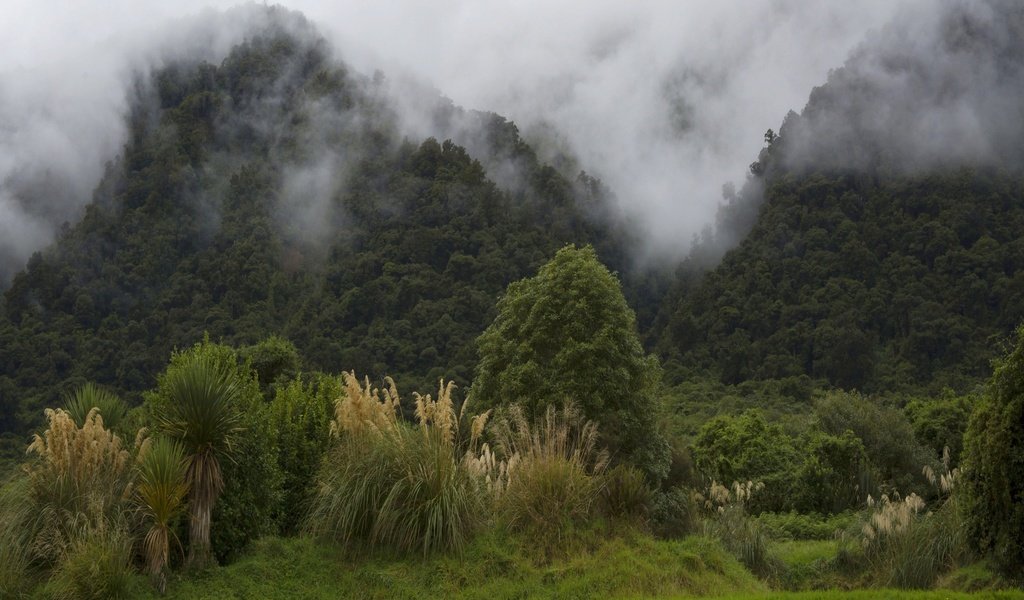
568, 334
197, 406
993, 466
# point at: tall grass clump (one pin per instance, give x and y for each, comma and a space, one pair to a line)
905, 546
396, 485
741, 534
96, 566
79, 479
553, 475
17, 517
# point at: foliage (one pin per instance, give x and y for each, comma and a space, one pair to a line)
993, 467
97, 566
940, 422
90, 396
905, 547
887, 435
834, 474
747, 447
302, 413
390, 484
78, 479
729, 521
197, 403
252, 499
275, 360
805, 526
553, 482
625, 493
161, 490
568, 334
674, 513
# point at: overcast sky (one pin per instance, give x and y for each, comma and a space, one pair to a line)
665, 101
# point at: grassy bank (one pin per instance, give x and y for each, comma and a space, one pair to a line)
496, 567
493, 567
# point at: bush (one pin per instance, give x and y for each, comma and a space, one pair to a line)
797, 526
625, 493
747, 447
887, 435
251, 499
993, 466
301, 413
393, 485
673, 513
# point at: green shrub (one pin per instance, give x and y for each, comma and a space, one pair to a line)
993, 466
940, 423
625, 493
797, 526
747, 447
301, 413
888, 437
834, 473
90, 396
275, 360
251, 499
673, 513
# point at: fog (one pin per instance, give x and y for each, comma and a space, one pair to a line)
664, 101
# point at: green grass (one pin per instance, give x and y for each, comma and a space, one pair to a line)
877, 595
493, 567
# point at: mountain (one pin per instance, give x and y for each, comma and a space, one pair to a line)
887, 252
276, 193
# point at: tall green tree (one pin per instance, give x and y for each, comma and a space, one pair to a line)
993, 467
567, 334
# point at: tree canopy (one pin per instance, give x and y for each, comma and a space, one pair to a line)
567, 334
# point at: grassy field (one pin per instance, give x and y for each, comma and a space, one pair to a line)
496, 568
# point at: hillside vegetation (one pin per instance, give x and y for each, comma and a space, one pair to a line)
215, 383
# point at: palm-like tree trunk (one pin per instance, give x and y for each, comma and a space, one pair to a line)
206, 485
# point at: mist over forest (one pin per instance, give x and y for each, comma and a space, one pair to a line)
709, 298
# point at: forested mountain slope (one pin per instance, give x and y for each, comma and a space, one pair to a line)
888, 251
273, 193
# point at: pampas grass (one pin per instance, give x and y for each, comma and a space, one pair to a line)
552, 474
395, 485
78, 477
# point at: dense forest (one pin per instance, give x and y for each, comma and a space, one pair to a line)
273, 253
